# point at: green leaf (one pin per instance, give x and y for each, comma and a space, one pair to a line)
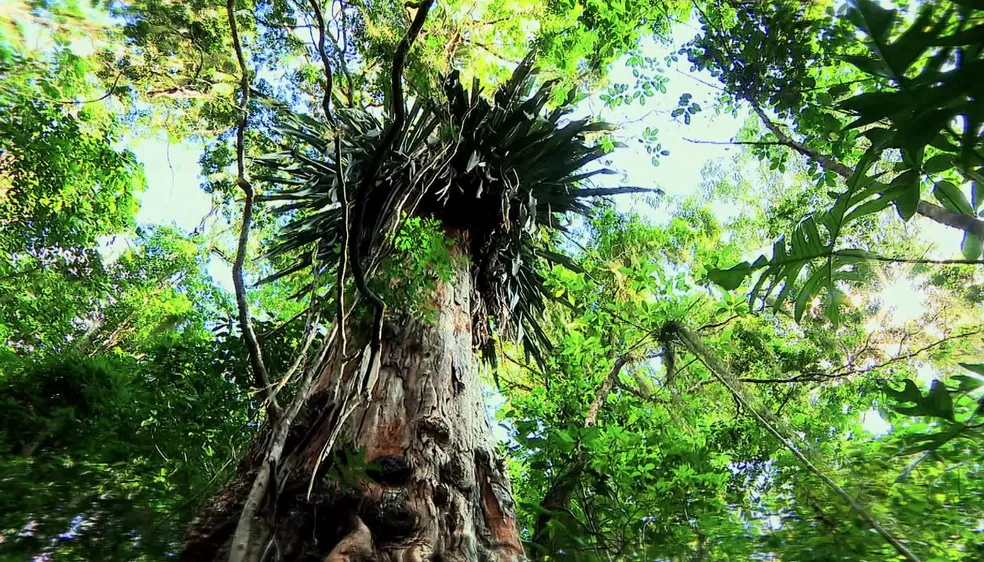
937, 403
912, 44
868, 65
731, 278
940, 401
970, 383
952, 197
872, 18
909, 393
971, 246
975, 367
938, 163
906, 201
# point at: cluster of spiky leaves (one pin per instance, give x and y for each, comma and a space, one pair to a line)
499, 174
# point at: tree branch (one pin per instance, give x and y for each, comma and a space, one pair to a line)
933, 212
242, 536
815, 377
592, 417
262, 380
110, 92
326, 100
558, 498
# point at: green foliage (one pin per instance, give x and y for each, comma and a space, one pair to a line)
913, 110
939, 403
124, 397
420, 260
672, 467
63, 182
109, 446
763, 52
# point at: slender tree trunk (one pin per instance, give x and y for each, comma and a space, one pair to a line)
414, 474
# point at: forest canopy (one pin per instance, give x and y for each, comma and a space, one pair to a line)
504, 280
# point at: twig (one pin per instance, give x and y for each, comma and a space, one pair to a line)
280, 327
734, 142
310, 325
110, 92
718, 324
864, 256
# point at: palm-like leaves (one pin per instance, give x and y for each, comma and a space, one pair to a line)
497, 174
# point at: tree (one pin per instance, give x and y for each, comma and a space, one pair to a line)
396, 397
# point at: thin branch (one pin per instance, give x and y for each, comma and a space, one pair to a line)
865, 256
311, 325
814, 377
738, 143
110, 92
280, 327
718, 87
369, 180
489, 50
320, 18
242, 536
609, 191
558, 497
875, 257
719, 324
592, 417
339, 170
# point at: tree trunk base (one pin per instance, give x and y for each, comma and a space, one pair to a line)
413, 477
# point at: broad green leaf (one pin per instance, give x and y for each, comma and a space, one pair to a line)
909, 393
971, 246
731, 278
938, 163
975, 367
907, 198
952, 197
870, 16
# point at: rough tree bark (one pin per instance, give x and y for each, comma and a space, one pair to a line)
432, 486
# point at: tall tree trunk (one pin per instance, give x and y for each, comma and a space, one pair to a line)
414, 475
